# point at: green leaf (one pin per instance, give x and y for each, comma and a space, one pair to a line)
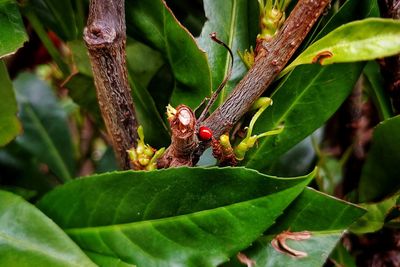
59, 15
180, 217
143, 63
377, 90
29, 238
380, 174
302, 103
350, 11
153, 22
312, 211
10, 126
102, 260
12, 30
356, 41
230, 20
375, 217
46, 133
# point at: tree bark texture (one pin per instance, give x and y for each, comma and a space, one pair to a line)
105, 38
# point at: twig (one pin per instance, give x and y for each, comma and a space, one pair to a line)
105, 37
271, 58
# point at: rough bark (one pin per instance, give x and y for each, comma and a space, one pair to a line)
271, 59
105, 37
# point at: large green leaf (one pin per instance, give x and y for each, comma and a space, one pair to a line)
356, 41
153, 22
10, 126
12, 30
29, 238
324, 217
230, 20
380, 174
302, 103
180, 217
46, 133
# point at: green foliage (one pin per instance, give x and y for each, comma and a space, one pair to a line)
153, 22
232, 23
218, 223
380, 173
46, 133
10, 126
303, 101
12, 29
356, 41
375, 217
29, 238
190, 216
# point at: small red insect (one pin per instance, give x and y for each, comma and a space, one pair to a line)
205, 133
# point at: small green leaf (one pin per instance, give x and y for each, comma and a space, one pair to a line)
375, 217
12, 30
181, 216
230, 20
46, 133
302, 103
10, 126
312, 211
356, 41
380, 174
29, 238
153, 22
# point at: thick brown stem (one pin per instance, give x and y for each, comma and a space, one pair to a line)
183, 139
390, 66
105, 37
271, 59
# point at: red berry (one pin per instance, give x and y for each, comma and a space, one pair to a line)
205, 133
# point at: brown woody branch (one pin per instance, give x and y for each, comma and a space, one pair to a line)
270, 60
272, 57
105, 37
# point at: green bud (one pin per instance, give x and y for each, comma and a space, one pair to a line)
148, 151
132, 154
144, 161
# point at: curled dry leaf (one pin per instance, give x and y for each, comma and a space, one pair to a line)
245, 260
279, 243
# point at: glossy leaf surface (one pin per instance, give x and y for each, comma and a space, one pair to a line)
12, 30
153, 22
218, 212
231, 20
380, 174
46, 133
312, 211
29, 238
356, 41
10, 126
303, 101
